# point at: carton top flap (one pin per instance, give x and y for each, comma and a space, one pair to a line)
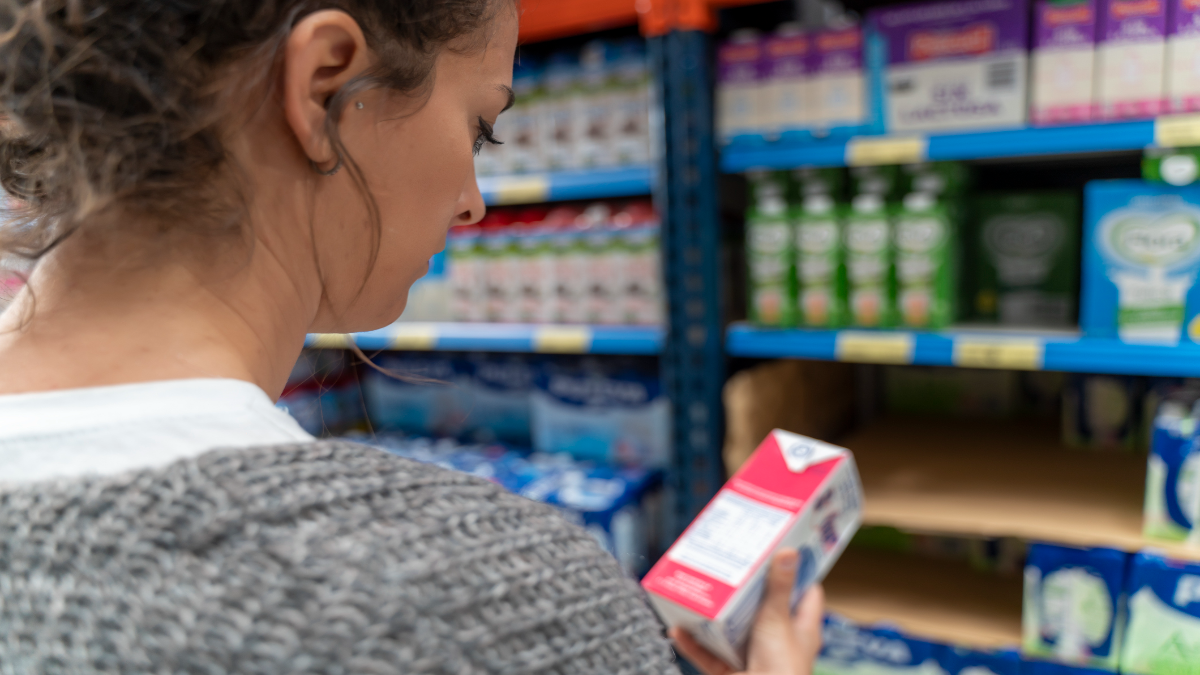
801, 452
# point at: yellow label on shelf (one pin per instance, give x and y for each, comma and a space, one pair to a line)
522, 189
563, 339
331, 340
1177, 131
414, 336
872, 150
868, 347
1002, 353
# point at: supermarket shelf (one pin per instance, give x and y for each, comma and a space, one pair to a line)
549, 19
502, 337
566, 185
1028, 142
1000, 478
936, 600
970, 347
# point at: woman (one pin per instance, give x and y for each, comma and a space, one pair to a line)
206, 182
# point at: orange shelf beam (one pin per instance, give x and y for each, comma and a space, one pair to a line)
550, 19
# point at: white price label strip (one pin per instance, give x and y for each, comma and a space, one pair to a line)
1002, 353
867, 347
521, 189
331, 341
563, 339
1177, 131
869, 150
414, 336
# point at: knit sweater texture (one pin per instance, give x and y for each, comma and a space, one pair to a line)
327, 557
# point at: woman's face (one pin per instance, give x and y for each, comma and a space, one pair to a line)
417, 158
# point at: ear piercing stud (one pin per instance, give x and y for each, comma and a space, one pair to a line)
359, 105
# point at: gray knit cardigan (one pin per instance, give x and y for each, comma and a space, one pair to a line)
324, 557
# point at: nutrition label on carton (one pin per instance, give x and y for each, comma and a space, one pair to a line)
730, 536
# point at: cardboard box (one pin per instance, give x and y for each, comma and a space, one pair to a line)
1183, 56
1130, 58
1064, 61
793, 492
952, 65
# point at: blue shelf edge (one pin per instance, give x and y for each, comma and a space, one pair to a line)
566, 185
1029, 141
500, 337
1061, 352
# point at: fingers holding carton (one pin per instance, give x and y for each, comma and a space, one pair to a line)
735, 587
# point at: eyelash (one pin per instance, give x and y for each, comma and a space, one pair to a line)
485, 136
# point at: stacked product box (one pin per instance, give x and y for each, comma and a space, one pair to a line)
841, 102
741, 107
620, 507
1172, 506
950, 65
1130, 58
582, 110
1141, 256
849, 647
1163, 635
1183, 56
1064, 61
322, 393
787, 93
570, 264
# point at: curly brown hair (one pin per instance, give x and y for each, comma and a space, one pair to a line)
116, 106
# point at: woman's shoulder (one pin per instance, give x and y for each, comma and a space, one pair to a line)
319, 556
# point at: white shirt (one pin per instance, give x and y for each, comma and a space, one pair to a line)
113, 429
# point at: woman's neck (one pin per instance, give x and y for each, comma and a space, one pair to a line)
100, 326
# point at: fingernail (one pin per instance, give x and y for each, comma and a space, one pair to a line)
788, 562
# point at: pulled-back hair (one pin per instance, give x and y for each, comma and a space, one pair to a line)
116, 106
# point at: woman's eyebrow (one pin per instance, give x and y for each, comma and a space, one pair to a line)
512, 97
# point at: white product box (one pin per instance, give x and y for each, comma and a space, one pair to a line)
740, 87
1064, 61
1130, 58
1183, 56
793, 492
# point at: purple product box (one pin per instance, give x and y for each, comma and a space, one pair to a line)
839, 93
953, 65
1064, 61
740, 79
1183, 55
1131, 55
837, 51
1132, 20
1059, 24
787, 89
1183, 17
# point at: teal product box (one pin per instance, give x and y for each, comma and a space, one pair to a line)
611, 411
1074, 608
1141, 255
1163, 637
1173, 472
848, 647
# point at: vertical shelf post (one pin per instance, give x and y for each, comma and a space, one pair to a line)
693, 361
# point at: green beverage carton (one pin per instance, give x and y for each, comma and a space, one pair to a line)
1026, 258
878, 180
770, 254
926, 264
807, 181
937, 178
1174, 166
820, 263
869, 273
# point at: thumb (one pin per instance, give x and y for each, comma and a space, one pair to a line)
776, 609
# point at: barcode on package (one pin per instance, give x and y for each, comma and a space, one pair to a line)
729, 537
1002, 75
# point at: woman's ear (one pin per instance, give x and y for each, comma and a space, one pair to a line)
324, 51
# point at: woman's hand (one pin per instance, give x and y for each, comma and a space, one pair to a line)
780, 644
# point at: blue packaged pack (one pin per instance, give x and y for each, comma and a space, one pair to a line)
607, 412
429, 401
848, 647
1172, 505
1074, 609
1164, 617
1030, 667
498, 394
1141, 255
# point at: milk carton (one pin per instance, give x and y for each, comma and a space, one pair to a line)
869, 256
820, 263
926, 262
595, 136
740, 96
1141, 247
1173, 473
519, 127
631, 104
839, 86
1074, 608
952, 65
1183, 56
848, 647
1130, 58
561, 109
793, 492
1027, 258
1163, 637
788, 87
1064, 61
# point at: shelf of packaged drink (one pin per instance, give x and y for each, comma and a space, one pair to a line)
969, 348
503, 337
561, 186
1026, 142
937, 600
1001, 478
549, 19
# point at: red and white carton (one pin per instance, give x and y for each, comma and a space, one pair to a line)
794, 492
